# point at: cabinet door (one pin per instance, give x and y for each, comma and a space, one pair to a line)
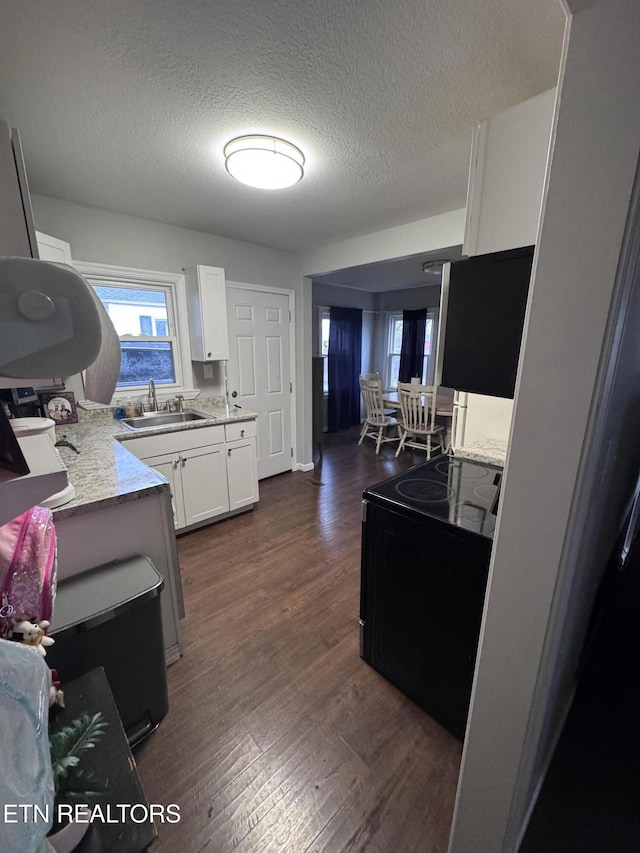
242, 473
204, 483
207, 304
17, 236
167, 467
52, 249
423, 586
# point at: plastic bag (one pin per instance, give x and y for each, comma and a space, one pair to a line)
26, 782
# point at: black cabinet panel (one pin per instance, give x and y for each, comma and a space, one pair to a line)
423, 585
485, 317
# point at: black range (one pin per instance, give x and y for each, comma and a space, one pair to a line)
426, 545
458, 491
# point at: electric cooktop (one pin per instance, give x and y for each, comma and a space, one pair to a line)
457, 491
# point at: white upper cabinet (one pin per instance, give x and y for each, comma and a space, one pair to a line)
207, 305
17, 235
507, 174
504, 200
52, 249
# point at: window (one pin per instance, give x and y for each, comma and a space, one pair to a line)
145, 324
395, 346
324, 346
144, 310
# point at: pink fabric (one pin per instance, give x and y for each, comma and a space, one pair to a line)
28, 568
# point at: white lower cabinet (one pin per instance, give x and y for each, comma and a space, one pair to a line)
242, 473
212, 470
166, 466
204, 483
198, 481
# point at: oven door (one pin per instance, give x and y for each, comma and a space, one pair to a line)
422, 593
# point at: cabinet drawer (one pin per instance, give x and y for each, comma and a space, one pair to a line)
241, 429
171, 442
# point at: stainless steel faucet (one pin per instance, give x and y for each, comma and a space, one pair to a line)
152, 395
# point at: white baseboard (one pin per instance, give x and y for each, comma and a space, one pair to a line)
305, 466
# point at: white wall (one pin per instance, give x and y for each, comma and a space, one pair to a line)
409, 298
103, 236
331, 295
540, 525
487, 417
425, 235
115, 238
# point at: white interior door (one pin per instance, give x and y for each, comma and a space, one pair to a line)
259, 370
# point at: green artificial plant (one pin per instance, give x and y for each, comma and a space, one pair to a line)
67, 747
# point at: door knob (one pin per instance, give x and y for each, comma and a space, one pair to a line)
234, 394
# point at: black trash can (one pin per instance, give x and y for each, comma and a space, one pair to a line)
110, 617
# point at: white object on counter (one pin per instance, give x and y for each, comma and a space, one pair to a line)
34, 426
60, 498
48, 476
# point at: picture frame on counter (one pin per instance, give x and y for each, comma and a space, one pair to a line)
60, 406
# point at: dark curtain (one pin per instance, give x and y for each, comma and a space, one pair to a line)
345, 349
414, 326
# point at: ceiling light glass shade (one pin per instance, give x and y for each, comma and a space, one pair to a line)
265, 162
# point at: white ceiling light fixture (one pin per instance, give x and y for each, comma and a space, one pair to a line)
434, 267
265, 162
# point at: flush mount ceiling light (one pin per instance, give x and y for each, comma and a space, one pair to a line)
266, 162
434, 267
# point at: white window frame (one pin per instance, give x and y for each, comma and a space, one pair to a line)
174, 286
323, 314
392, 316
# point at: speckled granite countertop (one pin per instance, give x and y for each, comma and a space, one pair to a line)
491, 450
104, 471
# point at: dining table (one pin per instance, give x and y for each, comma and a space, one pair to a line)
444, 409
444, 403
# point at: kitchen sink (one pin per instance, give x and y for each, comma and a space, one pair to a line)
153, 420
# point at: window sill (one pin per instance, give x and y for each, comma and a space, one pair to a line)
90, 406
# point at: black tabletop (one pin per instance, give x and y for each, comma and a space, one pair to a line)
112, 763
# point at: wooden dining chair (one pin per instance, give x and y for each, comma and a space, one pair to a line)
418, 426
377, 423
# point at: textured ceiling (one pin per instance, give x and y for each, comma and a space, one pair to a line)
127, 105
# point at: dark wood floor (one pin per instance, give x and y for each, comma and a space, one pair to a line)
279, 737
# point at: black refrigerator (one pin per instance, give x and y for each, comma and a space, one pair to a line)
426, 544
590, 798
